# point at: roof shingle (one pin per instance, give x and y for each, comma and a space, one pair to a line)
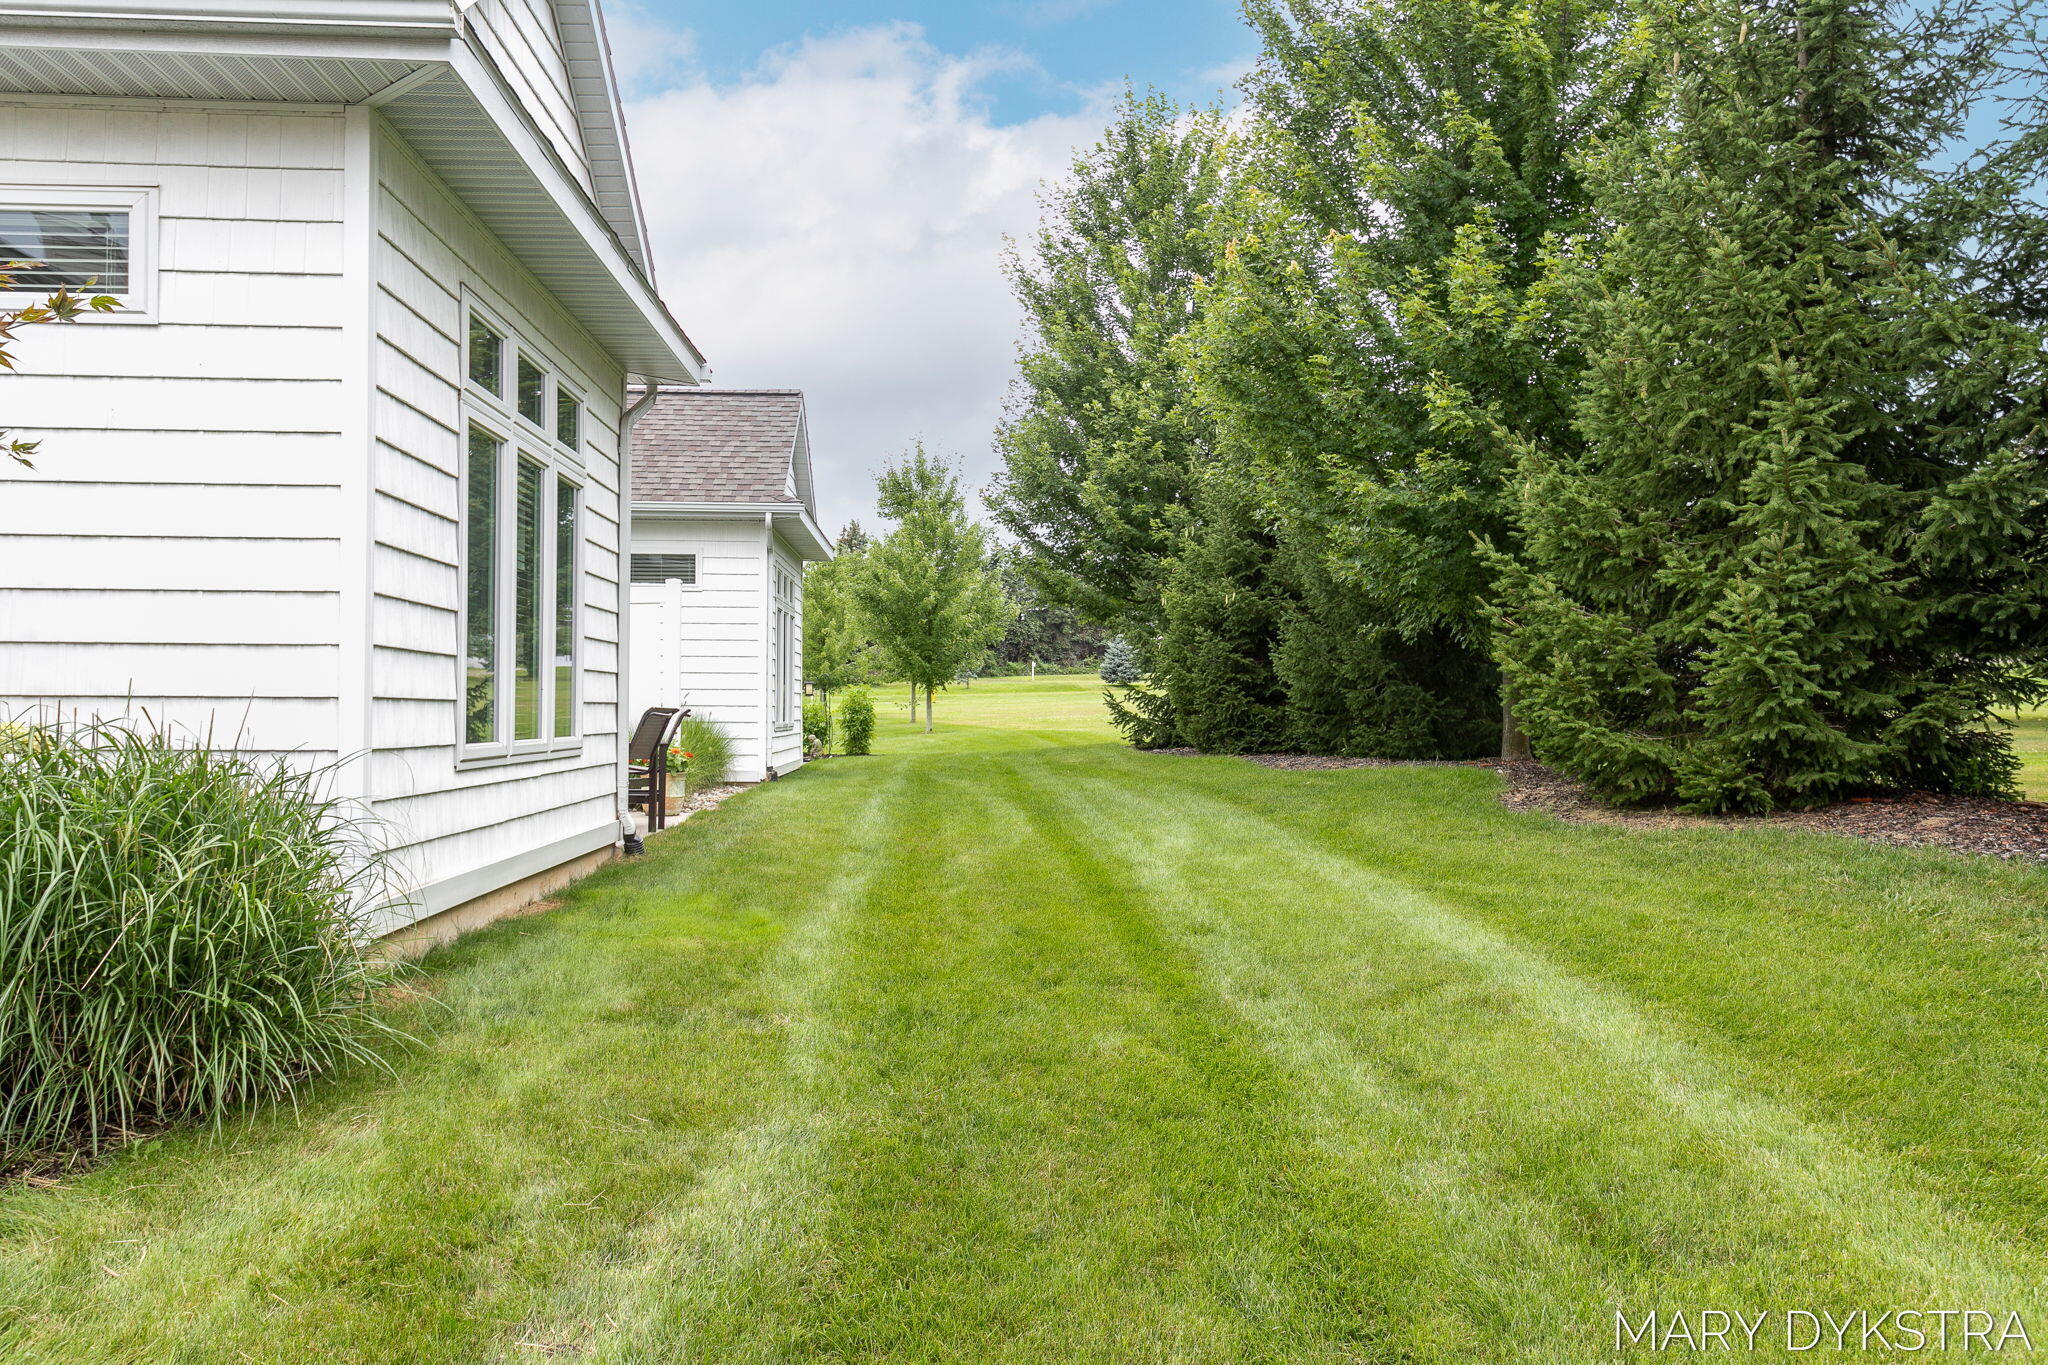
718, 445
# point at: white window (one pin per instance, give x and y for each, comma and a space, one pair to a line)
85, 239
522, 557
783, 648
662, 568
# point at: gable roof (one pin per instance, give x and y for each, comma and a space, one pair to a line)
712, 445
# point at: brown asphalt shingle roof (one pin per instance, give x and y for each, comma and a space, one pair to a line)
717, 445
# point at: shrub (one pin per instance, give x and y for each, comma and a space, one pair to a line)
701, 752
857, 721
181, 933
817, 726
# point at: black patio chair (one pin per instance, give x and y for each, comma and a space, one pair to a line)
647, 763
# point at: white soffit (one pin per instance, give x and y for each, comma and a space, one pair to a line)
193, 75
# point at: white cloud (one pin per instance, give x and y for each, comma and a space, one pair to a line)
835, 221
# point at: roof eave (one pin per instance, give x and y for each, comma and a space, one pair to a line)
788, 516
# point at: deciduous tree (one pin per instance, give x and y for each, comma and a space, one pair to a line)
928, 592
1102, 429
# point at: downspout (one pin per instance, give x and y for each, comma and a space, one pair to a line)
771, 656
627, 419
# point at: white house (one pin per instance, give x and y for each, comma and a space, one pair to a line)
344, 478
723, 521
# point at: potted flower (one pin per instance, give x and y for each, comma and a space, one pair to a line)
678, 777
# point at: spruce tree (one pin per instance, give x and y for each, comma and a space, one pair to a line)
1213, 683
1794, 547
1120, 663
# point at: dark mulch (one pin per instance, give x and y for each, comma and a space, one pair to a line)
2015, 831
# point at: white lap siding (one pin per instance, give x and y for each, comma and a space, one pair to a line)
458, 823
177, 548
721, 633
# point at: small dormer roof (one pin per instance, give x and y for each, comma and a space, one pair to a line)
711, 445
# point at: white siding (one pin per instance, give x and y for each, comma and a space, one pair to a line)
722, 635
719, 632
177, 549
522, 38
454, 820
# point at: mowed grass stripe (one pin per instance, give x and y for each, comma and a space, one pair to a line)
1896, 996
1545, 1087
583, 1070
1011, 1045
1068, 1151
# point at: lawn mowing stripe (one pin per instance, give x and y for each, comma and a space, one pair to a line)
427, 1216
746, 1218
1062, 1156
1894, 996
1861, 1213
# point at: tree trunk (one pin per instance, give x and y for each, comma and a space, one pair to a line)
1514, 744
927, 710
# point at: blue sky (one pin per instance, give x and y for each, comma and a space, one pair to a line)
1189, 48
831, 187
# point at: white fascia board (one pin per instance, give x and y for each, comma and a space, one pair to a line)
793, 521
487, 86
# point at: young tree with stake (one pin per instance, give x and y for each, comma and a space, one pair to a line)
928, 592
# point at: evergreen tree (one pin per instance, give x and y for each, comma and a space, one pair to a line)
1355, 687
928, 592
1101, 430
1120, 663
1214, 686
1406, 160
1795, 546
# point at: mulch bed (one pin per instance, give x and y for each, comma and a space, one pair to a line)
2014, 831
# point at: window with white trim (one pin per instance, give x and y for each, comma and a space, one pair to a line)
663, 567
522, 554
90, 240
783, 646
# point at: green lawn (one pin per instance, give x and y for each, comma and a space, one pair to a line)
1009, 1044
2030, 737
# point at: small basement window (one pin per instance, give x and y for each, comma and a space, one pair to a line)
89, 241
82, 250
661, 568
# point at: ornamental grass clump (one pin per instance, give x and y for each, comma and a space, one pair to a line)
701, 752
181, 933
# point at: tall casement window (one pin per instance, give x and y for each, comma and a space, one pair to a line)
782, 646
522, 545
